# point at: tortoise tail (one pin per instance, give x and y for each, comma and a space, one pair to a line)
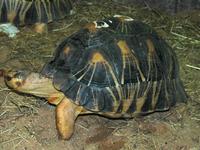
20, 12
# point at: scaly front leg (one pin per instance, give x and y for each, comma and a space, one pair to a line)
66, 114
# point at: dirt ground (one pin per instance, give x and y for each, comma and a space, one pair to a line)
28, 123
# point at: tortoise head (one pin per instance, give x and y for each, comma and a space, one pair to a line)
15, 79
29, 82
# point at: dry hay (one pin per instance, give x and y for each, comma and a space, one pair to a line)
27, 122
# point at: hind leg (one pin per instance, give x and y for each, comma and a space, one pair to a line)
40, 28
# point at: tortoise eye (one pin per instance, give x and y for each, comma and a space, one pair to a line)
18, 83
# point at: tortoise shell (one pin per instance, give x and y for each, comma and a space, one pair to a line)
117, 65
22, 12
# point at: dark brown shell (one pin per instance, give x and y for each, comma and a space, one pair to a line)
21, 12
118, 66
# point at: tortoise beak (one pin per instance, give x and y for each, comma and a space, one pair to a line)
15, 79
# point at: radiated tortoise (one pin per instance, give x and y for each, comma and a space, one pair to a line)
116, 67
